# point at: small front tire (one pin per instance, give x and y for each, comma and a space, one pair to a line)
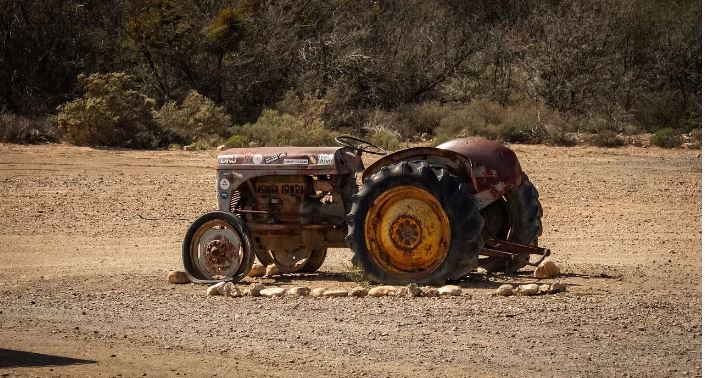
217, 247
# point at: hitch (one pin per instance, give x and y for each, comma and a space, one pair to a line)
501, 248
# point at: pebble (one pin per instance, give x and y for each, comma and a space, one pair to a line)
505, 290
403, 292
298, 291
450, 291
272, 270
272, 292
547, 269
231, 290
216, 289
381, 291
318, 292
544, 289
258, 270
414, 290
178, 277
558, 287
358, 291
255, 290
430, 292
529, 289
335, 293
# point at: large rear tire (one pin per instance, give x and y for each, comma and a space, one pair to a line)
413, 222
516, 217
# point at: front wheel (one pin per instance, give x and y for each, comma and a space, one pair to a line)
409, 223
217, 247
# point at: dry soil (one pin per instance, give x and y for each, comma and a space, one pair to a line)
87, 237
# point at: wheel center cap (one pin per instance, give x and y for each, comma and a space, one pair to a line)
220, 253
405, 233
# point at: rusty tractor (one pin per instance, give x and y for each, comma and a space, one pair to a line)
424, 215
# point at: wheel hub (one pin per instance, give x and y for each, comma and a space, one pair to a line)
405, 233
220, 253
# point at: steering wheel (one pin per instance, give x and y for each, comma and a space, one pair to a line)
364, 146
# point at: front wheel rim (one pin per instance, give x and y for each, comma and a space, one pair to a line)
217, 250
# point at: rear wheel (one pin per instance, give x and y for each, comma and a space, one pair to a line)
409, 223
217, 247
516, 217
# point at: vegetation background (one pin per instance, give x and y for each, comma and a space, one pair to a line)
150, 73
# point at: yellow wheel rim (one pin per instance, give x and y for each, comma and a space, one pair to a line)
407, 232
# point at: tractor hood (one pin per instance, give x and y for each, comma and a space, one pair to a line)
333, 159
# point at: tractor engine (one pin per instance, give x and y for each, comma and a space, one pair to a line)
296, 199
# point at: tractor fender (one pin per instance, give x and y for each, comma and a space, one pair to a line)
456, 163
495, 168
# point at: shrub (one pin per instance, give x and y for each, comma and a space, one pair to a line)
276, 129
112, 112
196, 117
695, 139
606, 138
16, 129
666, 138
386, 139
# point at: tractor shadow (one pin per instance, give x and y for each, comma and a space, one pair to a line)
472, 281
10, 358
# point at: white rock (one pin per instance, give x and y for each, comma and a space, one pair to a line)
272, 292
450, 291
381, 291
547, 269
544, 289
231, 290
414, 290
298, 291
178, 277
430, 292
216, 289
318, 292
335, 293
358, 291
255, 289
272, 270
505, 290
258, 270
220, 148
530, 289
558, 287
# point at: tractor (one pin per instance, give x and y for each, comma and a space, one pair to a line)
423, 215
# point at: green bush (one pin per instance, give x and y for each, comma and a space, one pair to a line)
112, 112
386, 139
606, 138
196, 117
15, 129
666, 138
276, 129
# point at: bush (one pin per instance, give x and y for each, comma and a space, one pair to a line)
666, 138
15, 129
386, 139
276, 129
606, 138
112, 112
196, 117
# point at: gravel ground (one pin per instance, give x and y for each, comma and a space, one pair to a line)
87, 238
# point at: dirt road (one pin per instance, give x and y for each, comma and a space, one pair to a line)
88, 236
